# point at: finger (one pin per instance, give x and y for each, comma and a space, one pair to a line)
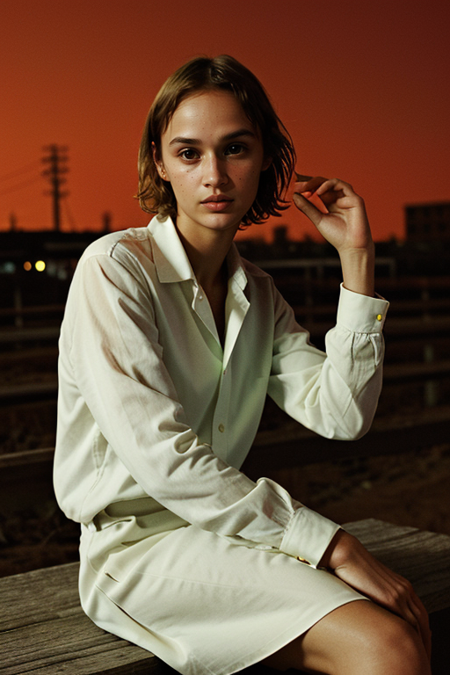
332, 197
336, 195
425, 634
306, 207
300, 178
420, 624
334, 184
410, 607
423, 623
334, 189
311, 184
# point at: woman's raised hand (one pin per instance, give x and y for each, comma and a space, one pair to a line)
344, 225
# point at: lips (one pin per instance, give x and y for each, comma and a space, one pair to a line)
217, 202
217, 198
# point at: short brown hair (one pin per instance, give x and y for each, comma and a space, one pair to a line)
225, 73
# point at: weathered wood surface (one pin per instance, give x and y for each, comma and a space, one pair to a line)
44, 631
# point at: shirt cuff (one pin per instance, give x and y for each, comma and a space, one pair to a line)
308, 536
360, 313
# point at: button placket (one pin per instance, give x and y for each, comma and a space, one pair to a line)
220, 420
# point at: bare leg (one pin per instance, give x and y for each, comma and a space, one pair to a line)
359, 637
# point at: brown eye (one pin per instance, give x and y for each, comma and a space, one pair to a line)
235, 149
188, 154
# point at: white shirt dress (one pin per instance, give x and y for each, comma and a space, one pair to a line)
180, 552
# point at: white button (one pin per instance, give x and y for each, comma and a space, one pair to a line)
200, 297
221, 428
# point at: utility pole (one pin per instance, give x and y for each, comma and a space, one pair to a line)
106, 218
12, 222
56, 159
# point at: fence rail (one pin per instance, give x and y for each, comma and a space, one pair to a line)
393, 374
272, 451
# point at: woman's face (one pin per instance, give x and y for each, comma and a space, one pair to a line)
213, 157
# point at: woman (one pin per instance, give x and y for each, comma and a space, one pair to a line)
169, 345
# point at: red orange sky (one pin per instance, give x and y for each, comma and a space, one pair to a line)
363, 87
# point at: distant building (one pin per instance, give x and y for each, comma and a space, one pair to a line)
36, 267
428, 222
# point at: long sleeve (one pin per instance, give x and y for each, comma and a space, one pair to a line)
335, 394
124, 432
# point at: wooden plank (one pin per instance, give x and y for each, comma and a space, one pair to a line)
44, 631
39, 596
73, 640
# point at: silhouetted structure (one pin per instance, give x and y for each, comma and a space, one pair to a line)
56, 160
38, 266
428, 222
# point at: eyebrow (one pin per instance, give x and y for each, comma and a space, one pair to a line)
228, 137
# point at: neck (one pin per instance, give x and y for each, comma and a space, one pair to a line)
207, 257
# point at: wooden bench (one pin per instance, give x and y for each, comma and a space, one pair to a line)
44, 631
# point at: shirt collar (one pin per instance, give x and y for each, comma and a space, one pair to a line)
171, 261
236, 270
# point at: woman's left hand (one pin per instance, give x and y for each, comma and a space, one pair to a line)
344, 225
351, 562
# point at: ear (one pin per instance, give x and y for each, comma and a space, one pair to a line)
266, 163
158, 162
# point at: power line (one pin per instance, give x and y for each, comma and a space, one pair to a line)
19, 172
22, 185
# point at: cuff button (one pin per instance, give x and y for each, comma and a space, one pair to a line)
303, 560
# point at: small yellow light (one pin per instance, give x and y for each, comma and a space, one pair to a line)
27, 266
40, 265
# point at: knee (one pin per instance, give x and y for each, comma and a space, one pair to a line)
395, 647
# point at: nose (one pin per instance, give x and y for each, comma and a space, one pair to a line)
214, 171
